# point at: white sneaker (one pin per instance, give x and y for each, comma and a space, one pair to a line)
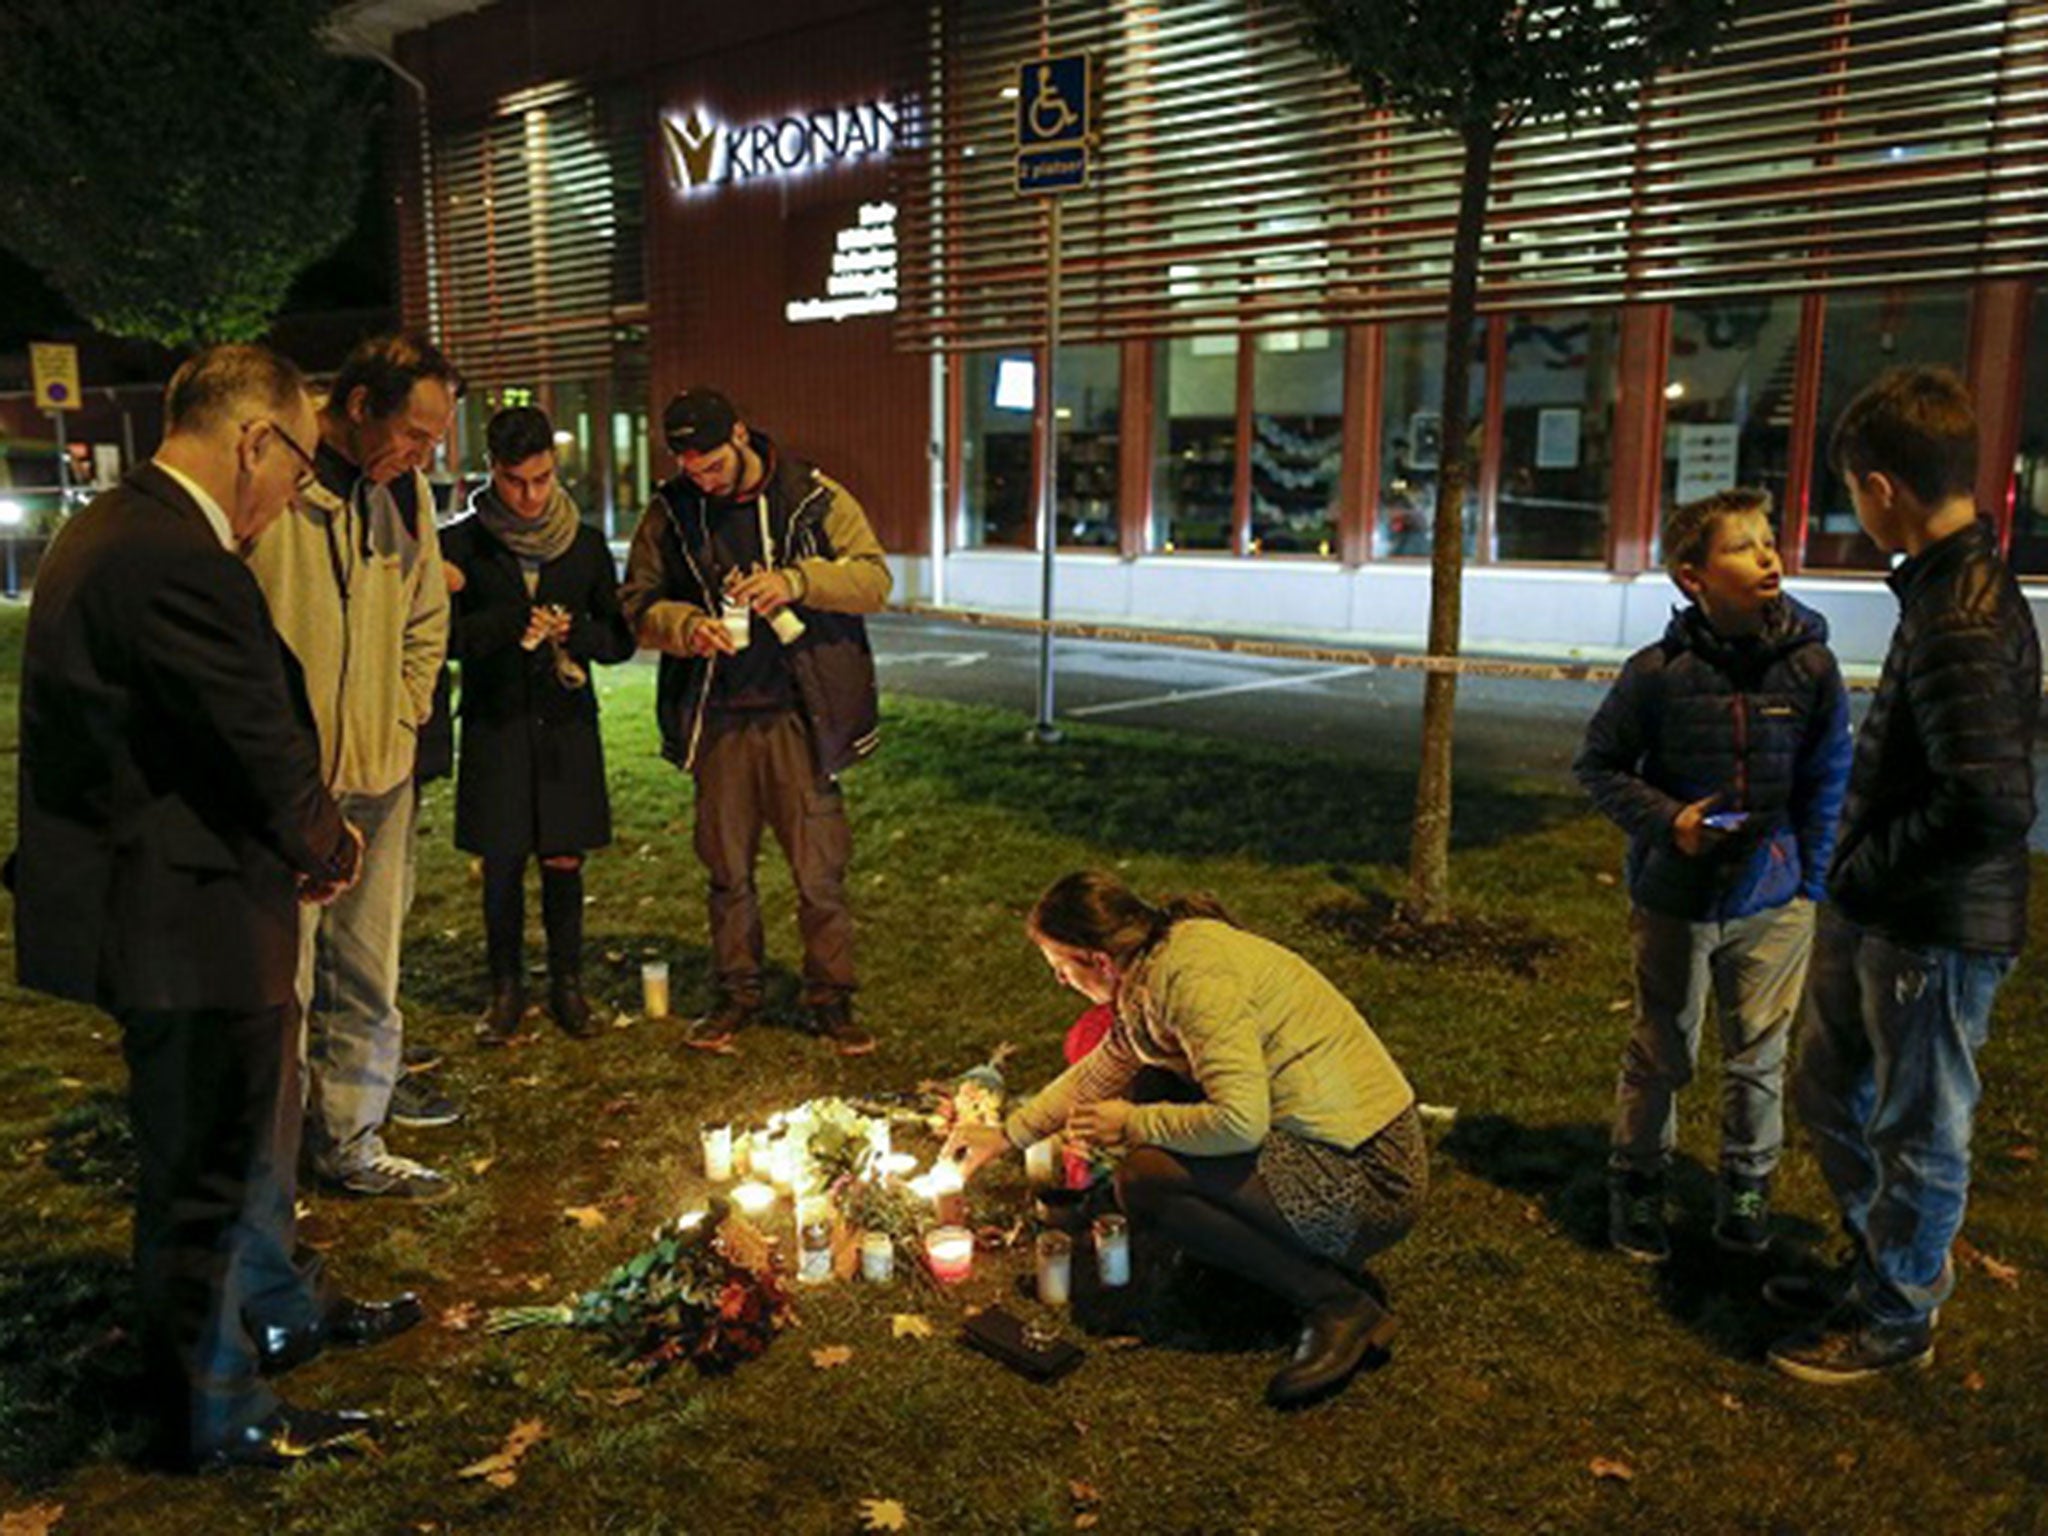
393, 1177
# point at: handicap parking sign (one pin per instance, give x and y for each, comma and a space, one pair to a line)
1052, 124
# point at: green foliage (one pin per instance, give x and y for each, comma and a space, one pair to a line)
172, 168
1476, 66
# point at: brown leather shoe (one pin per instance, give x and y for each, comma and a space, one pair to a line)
570, 1008
714, 1031
832, 1021
1335, 1339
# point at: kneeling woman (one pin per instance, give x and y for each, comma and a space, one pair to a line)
537, 605
1299, 1153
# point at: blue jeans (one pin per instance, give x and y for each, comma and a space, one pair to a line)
1887, 1084
348, 981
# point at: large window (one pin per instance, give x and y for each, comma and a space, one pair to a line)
1865, 334
1728, 398
1411, 437
1194, 464
1557, 419
2030, 489
1297, 441
995, 449
1088, 386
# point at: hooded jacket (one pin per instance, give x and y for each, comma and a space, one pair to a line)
1761, 721
822, 538
1934, 836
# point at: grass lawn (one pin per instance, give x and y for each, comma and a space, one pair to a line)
1527, 1352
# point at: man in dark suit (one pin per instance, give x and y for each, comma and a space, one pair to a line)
172, 819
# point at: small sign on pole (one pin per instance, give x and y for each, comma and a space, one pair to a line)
53, 366
1052, 124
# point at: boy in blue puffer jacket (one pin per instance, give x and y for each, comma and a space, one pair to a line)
1723, 752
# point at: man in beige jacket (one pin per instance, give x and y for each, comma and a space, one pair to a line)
353, 576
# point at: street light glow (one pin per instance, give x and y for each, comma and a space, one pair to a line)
11, 514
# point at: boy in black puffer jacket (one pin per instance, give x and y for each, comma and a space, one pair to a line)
1927, 897
1722, 751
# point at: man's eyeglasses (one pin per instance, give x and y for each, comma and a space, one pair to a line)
308, 474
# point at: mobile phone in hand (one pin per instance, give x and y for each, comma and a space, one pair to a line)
1725, 821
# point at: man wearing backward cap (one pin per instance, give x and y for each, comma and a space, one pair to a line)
749, 572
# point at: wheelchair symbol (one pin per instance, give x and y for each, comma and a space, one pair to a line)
1049, 114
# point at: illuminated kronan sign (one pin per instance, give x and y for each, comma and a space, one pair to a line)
704, 153
863, 276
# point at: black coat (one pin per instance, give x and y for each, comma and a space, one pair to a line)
1941, 794
170, 775
530, 770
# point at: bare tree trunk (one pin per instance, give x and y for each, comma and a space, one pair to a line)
1429, 854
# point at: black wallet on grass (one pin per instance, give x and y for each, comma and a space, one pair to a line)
1026, 1350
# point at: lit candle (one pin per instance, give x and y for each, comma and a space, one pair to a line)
877, 1257
950, 1252
717, 1153
742, 1153
1112, 1249
1041, 1163
783, 1153
945, 1184
753, 1198
879, 1143
1055, 1268
814, 1250
654, 989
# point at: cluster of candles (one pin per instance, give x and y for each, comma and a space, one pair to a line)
776, 1161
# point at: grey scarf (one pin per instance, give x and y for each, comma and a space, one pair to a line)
542, 538
539, 539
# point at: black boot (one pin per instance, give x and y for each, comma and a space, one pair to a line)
570, 1008
499, 1021
1335, 1340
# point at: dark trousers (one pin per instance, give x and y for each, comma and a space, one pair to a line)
755, 771
216, 1105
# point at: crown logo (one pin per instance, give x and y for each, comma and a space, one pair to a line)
691, 145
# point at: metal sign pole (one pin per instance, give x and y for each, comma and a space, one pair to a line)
1045, 733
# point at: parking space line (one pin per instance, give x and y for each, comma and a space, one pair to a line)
1212, 693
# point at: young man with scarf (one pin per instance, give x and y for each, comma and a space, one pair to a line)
749, 572
538, 603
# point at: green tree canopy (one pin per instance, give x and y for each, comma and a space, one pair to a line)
171, 167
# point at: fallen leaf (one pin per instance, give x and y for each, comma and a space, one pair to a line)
479, 1166
1731, 1402
70, 1082
1087, 1520
2025, 1153
1974, 1382
614, 957
499, 1469
609, 1144
1612, 1470
1620, 1005
588, 1217
910, 1325
2007, 1275
622, 1105
539, 1283
832, 1356
1845, 1461
525, 1082
31, 1520
1122, 1341
1604, 878
461, 1317
882, 1515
